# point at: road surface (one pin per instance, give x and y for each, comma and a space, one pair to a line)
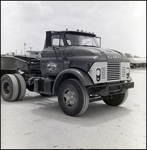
38, 122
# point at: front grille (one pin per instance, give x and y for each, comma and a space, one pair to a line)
113, 71
123, 72
103, 76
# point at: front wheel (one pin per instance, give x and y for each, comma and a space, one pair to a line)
115, 100
73, 98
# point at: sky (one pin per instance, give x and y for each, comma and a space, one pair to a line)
120, 24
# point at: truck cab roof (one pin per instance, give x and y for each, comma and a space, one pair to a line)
73, 32
50, 34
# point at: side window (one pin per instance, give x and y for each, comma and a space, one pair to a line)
61, 42
69, 42
56, 41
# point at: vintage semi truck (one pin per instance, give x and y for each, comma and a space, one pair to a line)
71, 66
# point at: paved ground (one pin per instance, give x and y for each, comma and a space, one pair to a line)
38, 122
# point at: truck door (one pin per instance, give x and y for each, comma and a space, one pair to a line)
52, 56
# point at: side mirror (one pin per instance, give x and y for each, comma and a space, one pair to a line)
99, 40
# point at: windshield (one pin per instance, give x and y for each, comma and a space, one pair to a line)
81, 40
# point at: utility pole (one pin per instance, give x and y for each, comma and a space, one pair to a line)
24, 48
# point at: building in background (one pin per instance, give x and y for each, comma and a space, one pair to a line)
36, 54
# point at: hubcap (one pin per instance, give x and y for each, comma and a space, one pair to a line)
69, 97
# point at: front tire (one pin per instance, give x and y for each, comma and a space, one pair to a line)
73, 98
9, 87
116, 100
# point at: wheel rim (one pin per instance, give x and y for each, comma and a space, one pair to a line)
69, 97
6, 88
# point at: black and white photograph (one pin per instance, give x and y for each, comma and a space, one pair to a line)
73, 75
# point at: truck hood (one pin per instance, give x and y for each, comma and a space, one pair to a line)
83, 57
95, 53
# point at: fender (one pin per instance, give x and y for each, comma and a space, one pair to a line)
81, 75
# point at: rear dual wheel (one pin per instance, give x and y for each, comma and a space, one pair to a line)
22, 86
12, 87
9, 87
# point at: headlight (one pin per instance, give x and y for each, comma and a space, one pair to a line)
125, 71
98, 74
128, 72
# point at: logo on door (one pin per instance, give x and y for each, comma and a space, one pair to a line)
52, 67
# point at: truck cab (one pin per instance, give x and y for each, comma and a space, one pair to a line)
64, 48
74, 67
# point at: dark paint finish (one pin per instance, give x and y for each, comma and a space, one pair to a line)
57, 62
81, 57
